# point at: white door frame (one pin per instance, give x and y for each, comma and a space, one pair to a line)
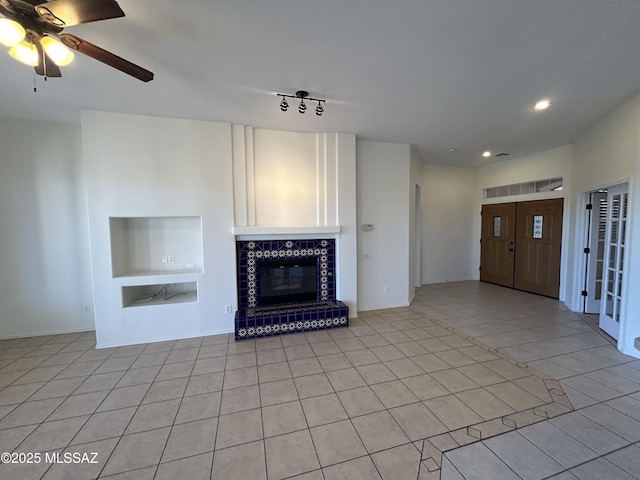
595, 256
613, 277
574, 296
417, 280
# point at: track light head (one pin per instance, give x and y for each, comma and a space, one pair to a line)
302, 107
319, 109
284, 105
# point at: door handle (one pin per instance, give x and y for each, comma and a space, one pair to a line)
511, 249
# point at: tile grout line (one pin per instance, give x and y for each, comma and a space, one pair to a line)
137, 408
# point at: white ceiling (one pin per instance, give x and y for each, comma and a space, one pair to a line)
438, 74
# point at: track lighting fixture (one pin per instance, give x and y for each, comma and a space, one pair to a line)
302, 107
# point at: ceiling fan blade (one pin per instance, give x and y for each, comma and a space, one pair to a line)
6, 10
45, 66
108, 58
63, 13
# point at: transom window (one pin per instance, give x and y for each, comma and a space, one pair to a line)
538, 186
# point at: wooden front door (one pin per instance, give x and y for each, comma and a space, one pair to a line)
538, 245
520, 245
497, 243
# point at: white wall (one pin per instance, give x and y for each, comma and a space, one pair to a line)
606, 154
448, 222
555, 162
288, 179
45, 276
285, 178
383, 193
141, 166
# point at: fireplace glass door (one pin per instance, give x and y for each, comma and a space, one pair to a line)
284, 281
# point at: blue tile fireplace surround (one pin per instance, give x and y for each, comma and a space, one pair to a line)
272, 297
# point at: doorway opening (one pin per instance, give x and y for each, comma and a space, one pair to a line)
417, 272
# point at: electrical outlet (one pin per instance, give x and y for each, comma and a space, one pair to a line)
171, 259
87, 308
386, 290
228, 308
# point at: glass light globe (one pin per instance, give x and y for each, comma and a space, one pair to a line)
11, 33
58, 53
25, 52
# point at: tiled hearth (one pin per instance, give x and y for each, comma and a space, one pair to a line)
256, 320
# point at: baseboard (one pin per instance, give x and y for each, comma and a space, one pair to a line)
44, 334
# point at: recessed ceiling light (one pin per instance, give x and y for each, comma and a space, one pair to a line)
542, 104
486, 154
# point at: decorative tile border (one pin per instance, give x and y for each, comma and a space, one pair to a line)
250, 254
286, 327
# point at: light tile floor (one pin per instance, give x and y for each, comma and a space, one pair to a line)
599, 440
382, 399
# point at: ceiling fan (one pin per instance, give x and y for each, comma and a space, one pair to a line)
33, 31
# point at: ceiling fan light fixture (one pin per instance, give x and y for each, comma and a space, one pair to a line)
11, 32
25, 52
57, 52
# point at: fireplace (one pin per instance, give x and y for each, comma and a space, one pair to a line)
287, 286
287, 281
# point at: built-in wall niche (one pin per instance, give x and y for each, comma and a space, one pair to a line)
161, 294
155, 245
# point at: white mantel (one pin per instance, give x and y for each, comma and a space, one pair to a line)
276, 231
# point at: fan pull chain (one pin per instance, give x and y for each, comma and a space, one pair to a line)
34, 82
44, 64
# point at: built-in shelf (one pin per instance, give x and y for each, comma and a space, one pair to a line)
160, 294
274, 230
144, 246
155, 273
